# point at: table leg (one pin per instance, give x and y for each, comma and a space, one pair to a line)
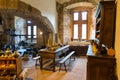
54, 64
41, 63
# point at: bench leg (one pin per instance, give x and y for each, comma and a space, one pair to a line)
39, 61
70, 58
36, 62
65, 67
74, 56
60, 67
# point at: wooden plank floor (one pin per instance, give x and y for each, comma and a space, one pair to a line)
77, 71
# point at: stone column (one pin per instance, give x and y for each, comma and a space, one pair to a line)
8, 27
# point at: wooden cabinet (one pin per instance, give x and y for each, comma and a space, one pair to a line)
101, 68
105, 23
10, 67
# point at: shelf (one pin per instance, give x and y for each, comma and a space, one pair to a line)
7, 77
98, 10
105, 23
7, 58
98, 31
7, 67
98, 21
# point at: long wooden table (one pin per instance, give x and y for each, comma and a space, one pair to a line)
46, 54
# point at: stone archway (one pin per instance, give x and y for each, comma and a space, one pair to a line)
26, 11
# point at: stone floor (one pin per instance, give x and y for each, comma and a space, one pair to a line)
77, 71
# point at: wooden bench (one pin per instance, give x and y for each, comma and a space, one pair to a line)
37, 58
65, 59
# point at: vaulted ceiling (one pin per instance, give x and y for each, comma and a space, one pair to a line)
63, 1
94, 1
69, 4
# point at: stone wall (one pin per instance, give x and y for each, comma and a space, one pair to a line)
65, 19
67, 26
60, 23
